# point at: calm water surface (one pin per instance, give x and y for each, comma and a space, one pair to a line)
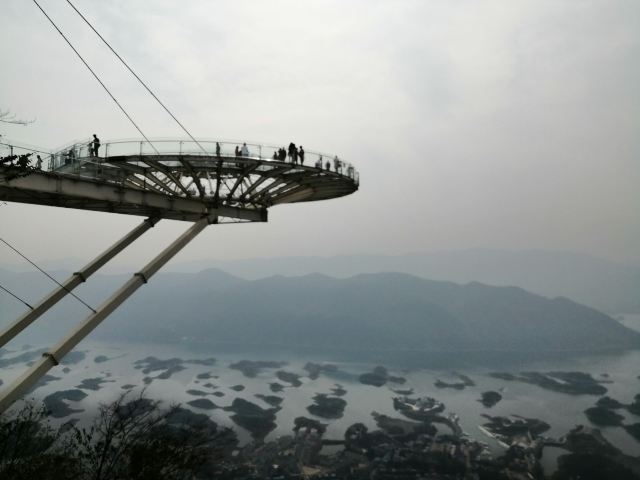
563, 412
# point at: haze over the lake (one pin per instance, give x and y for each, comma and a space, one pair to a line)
474, 124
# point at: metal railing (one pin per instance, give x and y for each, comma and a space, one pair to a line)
72, 156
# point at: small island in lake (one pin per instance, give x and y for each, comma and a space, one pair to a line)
573, 383
490, 398
379, 376
251, 368
327, 407
258, 421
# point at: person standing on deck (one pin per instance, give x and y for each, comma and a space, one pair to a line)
96, 145
337, 165
292, 152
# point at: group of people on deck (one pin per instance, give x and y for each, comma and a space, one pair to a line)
295, 154
337, 164
240, 152
92, 149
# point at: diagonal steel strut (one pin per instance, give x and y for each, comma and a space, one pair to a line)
73, 281
53, 356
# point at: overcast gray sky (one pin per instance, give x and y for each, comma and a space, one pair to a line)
501, 124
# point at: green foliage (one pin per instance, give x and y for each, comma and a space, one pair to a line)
19, 161
18, 165
30, 447
127, 439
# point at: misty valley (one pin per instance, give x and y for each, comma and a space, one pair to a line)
372, 373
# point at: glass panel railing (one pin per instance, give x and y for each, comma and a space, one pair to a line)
68, 157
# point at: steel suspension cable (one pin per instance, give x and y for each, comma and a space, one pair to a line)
137, 77
47, 275
15, 296
96, 77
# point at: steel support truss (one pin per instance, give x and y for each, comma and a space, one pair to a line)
52, 357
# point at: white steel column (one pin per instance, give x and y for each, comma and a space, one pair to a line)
72, 282
53, 356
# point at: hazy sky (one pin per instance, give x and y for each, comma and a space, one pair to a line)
502, 124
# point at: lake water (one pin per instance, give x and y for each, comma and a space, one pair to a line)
562, 411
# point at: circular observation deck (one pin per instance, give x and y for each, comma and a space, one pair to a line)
178, 179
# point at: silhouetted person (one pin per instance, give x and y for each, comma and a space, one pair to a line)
328, 165
283, 154
301, 155
276, 155
244, 150
350, 171
336, 164
292, 151
96, 145
39, 162
238, 154
217, 149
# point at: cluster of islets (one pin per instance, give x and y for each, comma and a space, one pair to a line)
421, 438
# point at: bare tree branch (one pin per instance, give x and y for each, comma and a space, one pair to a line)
8, 117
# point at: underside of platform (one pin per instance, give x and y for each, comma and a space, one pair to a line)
178, 187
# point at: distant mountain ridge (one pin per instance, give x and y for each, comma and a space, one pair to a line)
598, 283
372, 312
604, 285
